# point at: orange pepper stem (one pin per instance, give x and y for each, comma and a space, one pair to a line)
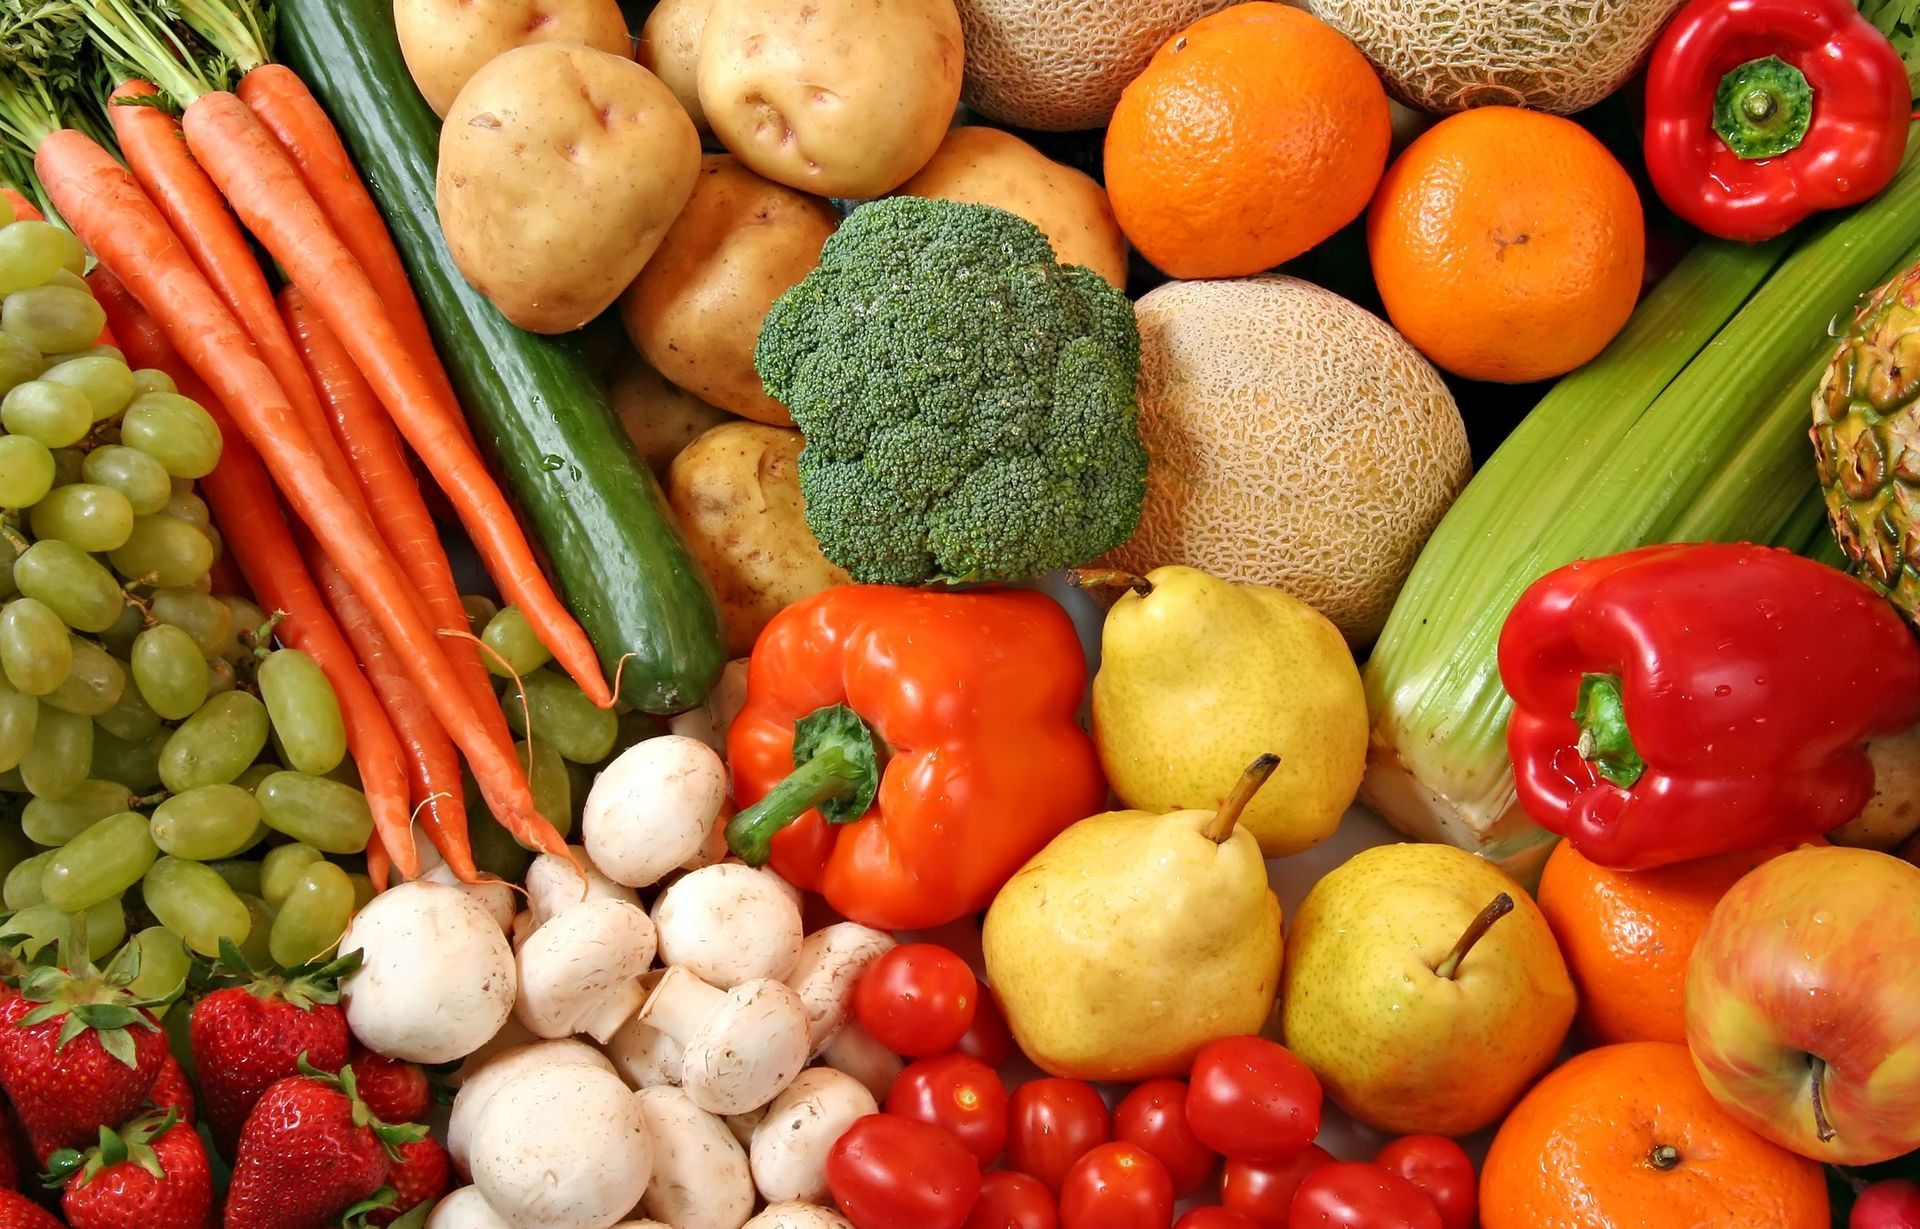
836, 770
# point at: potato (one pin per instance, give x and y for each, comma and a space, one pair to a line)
670, 46
985, 166
736, 492
561, 168
695, 310
835, 97
446, 41
1893, 813
660, 419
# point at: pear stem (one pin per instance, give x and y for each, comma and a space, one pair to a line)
1219, 829
1101, 578
1482, 922
1821, 1126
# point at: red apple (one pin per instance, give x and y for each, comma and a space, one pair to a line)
1803, 1004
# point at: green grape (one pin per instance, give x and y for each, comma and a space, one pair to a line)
91, 516
103, 376
152, 380
32, 252
71, 583
70, 277
515, 647
57, 415
551, 783
346, 772
170, 671
218, 545
100, 863
313, 916
22, 889
204, 583
206, 823
257, 948
43, 926
216, 744
93, 686
204, 617
49, 821
221, 677
19, 362
68, 464
131, 719
162, 551
15, 848
241, 874
363, 890
119, 638
327, 815
282, 868
189, 507
175, 431
131, 472
6, 212
19, 718
162, 963
194, 902
52, 319
26, 471
35, 653
480, 611
495, 850
136, 764
62, 754
306, 716
10, 782
244, 622
256, 773
563, 717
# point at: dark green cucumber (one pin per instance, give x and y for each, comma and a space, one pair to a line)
597, 511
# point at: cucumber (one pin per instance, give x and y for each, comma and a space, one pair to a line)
534, 401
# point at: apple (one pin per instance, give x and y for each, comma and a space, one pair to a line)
1803, 1004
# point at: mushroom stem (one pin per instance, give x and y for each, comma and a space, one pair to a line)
1476, 930
680, 1004
1219, 829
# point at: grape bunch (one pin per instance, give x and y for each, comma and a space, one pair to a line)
177, 779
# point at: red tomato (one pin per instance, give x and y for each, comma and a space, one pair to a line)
959, 1094
1117, 1186
1154, 1115
1442, 1170
1013, 1201
1214, 1218
1252, 1100
1051, 1124
1354, 1196
1264, 1193
889, 1172
916, 1000
1893, 1203
987, 1038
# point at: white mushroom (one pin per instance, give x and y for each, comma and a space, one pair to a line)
562, 1147
715, 849
436, 977
798, 1216
580, 971
790, 1146
855, 1052
728, 924
700, 1176
831, 962
494, 895
741, 1047
512, 1036
522, 928
653, 808
465, 1208
709, 723
505, 1067
742, 1125
643, 1055
553, 885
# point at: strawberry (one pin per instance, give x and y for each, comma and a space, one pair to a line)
419, 1175
309, 1153
394, 1090
15, 1159
172, 1091
151, 1175
76, 1051
247, 1037
19, 1212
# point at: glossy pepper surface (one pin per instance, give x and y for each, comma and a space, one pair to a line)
1762, 112
1674, 702
904, 752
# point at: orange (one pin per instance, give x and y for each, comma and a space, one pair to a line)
1249, 137
1627, 1137
1627, 935
1508, 245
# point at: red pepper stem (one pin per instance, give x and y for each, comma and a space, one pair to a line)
1220, 828
836, 771
1476, 930
1763, 108
1605, 741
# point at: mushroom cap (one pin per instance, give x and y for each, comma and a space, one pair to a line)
728, 924
748, 1050
854, 1051
465, 1208
644, 1056
553, 885
700, 1174
494, 895
798, 1216
788, 1155
831, 962
580, 970
709, 723
653, 808
436, 978
562, 1147
504, 1067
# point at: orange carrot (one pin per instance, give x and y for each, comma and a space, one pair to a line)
23, 209
379, 863
111, 215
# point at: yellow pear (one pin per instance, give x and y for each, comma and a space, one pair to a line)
1133, 939
1424, 989
1197, 676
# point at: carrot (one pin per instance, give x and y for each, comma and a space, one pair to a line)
379, 863
126, 232
23, 209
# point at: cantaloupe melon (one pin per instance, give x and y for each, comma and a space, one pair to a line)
1448, 55
1059, 65
1294, 440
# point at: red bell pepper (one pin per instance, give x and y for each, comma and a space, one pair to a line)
1674, 702
1762, 112
903, 752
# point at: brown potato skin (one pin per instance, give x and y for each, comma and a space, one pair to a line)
659, 418
985, 166
561, 168
670, 46
695, 310
444, 42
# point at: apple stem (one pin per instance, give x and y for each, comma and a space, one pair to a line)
1220, 827
1821, 1126
1100, 578
1482, 922
1663, 1157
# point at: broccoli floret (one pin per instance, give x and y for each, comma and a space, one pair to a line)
967, 401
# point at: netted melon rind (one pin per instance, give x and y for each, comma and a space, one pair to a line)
1060, 67
1295, 440
1449, 55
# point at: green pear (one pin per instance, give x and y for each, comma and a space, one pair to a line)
1424, 988
1197, 676
1133, 939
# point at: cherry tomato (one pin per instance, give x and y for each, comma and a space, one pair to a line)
1264, 1193
1051, 1124
1444, 1173
1154, 1115
987, 1038
958, 1094
1892, 1204
1214, 1218
1354, 1196
1117, 1186
1251, 1099
916, 1000
889, 1172
1013, 1201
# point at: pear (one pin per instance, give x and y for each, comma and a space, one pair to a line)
1424, 988
1134, 938
1197, 676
